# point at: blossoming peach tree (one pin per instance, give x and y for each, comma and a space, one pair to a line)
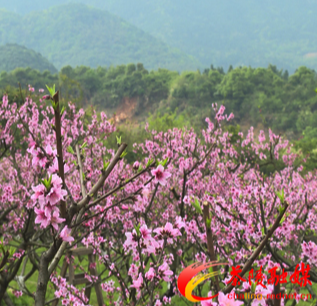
189, 199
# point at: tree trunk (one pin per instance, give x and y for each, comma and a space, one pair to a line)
42, 280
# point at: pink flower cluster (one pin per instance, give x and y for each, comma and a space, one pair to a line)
31, 88
69, 294
48, 213
46, 159
310, 251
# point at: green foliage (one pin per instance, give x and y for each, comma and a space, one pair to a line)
169, 120
287, 105
14, 56
26, 76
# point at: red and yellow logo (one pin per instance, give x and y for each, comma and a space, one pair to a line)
187, 281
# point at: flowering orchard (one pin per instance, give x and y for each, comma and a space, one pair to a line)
189, 199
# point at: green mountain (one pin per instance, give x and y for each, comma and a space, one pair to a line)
74, 34
222, 33
15, 56
229, 32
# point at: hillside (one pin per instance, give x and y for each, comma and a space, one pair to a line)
224, 33
221, 33
108, 40
14, 56
262, 97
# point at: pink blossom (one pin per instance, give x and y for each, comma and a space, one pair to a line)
138, 283
150, 274
66, 234
49, 151
165, 272
55, 195
167, 232
136, 165
41, 218
146, 192
39, 157
54, 167
56, 192
55, 219
131, 239
133, 271
210, 302
145, 232
17, 293
160, 175
39, 193
225, 301
264, 292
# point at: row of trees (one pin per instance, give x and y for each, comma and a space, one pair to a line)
282, 102
286, 104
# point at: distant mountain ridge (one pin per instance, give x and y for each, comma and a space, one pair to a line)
15, 56
75, 34
222, 33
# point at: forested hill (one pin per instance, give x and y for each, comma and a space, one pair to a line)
247, 32
286, 103
261, 97
74, 34
15, 56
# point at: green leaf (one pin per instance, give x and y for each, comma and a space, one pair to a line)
197, 206
163, 163
280, 195
137, 229
253, 286
263, 232
53, 104
208, 222
11, 251
50, 90
282, 220
149, 162
84, 145
105, 164
62, 111
123, 154
70, 150
46, 183
118, 140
